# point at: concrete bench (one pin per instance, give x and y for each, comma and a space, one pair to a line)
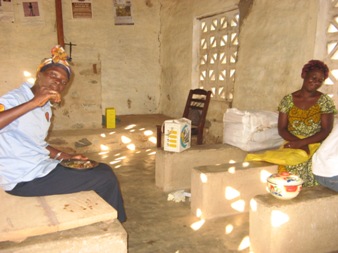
307, 223
227, 189
173, 170
78, 222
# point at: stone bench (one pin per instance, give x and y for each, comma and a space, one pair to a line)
173, 170
307, 223
226, 189
78, 222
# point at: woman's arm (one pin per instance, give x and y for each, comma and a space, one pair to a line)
283, 128
41, 96
295, 142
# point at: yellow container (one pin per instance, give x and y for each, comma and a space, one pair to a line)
110, 117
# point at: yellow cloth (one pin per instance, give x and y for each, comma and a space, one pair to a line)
284, 156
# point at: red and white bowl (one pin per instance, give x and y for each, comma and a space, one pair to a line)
284, 185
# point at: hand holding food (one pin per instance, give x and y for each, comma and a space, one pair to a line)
55, 97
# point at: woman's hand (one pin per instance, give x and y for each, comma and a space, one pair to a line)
79, 157
43, 95
297, 145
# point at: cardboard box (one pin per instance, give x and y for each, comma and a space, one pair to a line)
110, 117
177, 135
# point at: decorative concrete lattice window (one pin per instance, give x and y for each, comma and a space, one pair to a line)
331, 55
218, 54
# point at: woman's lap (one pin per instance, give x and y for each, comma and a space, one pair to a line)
61, 180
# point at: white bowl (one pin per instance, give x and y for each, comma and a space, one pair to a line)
284, 185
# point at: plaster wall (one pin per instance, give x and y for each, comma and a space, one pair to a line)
149, 67
276, 39
114, 65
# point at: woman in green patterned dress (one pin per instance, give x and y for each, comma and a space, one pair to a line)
305, 120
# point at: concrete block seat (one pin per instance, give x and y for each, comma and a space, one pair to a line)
173, 170
78, 222
226, 189
307, 223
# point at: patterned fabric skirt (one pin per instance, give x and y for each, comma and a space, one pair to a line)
303, 170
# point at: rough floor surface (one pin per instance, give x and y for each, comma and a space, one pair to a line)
156, 225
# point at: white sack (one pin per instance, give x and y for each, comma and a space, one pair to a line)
251, 130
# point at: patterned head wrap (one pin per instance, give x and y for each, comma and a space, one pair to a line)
59, 58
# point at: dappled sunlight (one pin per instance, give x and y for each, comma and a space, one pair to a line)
26, 73
197, 225
239, 205
28, 77
245, 164
152, 139
152, 153
228, 229
278, 218
125, 139
264, 175
198, 213
121, 158
253, 205
232, 161
103, 153
104, 147
131, 146
232, 170
103, 135
245, 243
131, 126
204, 178
117, 166
148, 132
231, 193
114, 162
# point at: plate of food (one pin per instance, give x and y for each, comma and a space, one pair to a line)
79, 164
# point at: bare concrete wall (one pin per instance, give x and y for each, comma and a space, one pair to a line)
276, 39
179, 53
149, 67
126, 57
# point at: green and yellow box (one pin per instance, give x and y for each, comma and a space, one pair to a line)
110, 117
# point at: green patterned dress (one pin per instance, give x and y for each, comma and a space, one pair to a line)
305, 123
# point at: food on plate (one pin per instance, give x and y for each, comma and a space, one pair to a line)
79, 164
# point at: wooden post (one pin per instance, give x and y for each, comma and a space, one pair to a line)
59, 23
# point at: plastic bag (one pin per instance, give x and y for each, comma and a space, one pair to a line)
284, 156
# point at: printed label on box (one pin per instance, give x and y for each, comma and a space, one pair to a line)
177, 134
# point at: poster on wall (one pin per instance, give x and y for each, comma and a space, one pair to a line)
82, 9
6, 11
30, 11
123, 12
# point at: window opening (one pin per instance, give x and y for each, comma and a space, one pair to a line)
218, 54
330, 86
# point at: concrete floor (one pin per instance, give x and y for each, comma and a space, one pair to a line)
154, 224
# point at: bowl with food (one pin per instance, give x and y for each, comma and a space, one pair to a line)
79, 164
284, 185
